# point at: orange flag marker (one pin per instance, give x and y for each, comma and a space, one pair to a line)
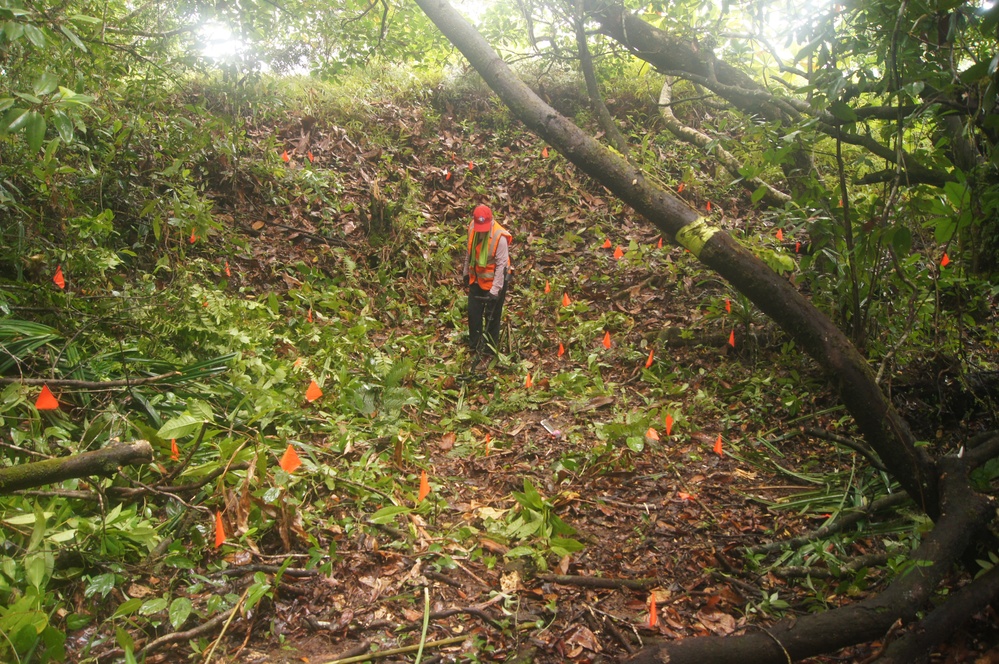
308, 316
297, 364
528, 383
544, 152
731, 338
653, 618
489, 439
669, 424
728, 305
548, 286
424, 487
565, 300
606, 244
780, 234
46, 400
797, 247
447, 174
471, 165
718, 446
311, 158
285, 157
289, 460
561, 349
945, 261
219, 530
193, 238
709, 206
652, 434
58, 279
679, 188
228, 272
174, 450
648, 362
660, 245
313, 392
607, 340
618, 253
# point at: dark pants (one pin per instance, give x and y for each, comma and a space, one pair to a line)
483, 313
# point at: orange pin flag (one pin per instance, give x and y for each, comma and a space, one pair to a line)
528, 383
548, 286
311, 158
618, 253
193, 238
313, 392
945, 261
46, 400
228, 272
561, 349
669, 424
285, 157
297, 364
648, 362
489, 439
718, 446
728, 305
308, 316
471, 165
660, 245
709, 206
565, 300
780, 234
447, 174
679, 188
289, 460
424, 486
58, 279
606, 244
731, 338
174, 450
544, 152
653, 618
607, 339
797, 247
652, 434
219, 530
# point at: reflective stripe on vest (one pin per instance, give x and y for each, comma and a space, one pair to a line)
485, 275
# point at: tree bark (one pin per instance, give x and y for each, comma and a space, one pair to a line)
104, 462
882, 426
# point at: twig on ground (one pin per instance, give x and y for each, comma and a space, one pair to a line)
598, 581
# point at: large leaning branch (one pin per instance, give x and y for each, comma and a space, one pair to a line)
883, 427
103, 462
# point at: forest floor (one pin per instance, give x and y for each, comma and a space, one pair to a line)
745, 462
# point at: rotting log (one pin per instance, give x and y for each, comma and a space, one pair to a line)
104, 462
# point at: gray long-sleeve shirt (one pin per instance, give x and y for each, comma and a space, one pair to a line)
502, 264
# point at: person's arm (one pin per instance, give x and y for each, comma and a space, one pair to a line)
502, 263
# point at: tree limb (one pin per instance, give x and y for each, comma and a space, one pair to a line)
102, 462
88, 384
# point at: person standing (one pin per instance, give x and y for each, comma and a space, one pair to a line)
487, 266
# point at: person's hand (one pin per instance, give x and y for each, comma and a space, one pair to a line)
492, 297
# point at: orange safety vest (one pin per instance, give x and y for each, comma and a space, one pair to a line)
484, 275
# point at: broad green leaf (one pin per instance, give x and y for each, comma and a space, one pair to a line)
758, 195
31, 99
34, 131
200, 409
180, 426
153, 605
843, 111
388, 514
73, 38
128, 607
34, 35
13, 30
180, 609
16, 118
83, 18
46, 84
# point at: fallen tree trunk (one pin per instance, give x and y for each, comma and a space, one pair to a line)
104, 462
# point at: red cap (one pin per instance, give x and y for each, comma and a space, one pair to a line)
483, 218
